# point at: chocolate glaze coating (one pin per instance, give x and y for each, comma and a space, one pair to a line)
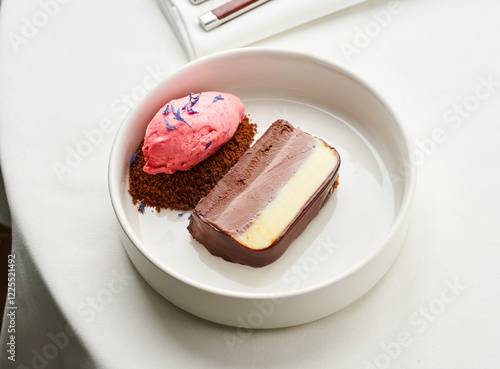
220, 243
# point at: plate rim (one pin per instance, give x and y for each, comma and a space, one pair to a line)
401, 217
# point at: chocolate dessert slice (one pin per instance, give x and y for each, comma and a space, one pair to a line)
268, 198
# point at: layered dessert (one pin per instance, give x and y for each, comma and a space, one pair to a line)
268, 197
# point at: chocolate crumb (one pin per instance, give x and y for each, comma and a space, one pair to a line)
182, 190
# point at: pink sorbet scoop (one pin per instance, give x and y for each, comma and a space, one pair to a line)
186, 131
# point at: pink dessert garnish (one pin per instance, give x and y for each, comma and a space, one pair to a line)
187, 131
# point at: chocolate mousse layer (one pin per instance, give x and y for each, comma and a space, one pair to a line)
268, 198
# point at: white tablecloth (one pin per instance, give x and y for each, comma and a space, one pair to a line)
70, 70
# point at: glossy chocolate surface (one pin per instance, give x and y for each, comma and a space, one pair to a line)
232, 206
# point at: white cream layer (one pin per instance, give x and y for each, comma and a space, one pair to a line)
273, 220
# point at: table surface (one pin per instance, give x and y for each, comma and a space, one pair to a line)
69, 68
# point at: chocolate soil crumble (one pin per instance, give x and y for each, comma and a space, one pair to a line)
184, 189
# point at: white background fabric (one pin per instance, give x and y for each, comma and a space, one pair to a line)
256, 25
69, 72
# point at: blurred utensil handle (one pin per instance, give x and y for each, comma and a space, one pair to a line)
226, 12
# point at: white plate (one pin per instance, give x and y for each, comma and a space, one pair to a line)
347, 247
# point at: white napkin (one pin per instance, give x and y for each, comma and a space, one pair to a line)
266, 20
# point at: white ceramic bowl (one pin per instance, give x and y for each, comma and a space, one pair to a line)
345, 250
